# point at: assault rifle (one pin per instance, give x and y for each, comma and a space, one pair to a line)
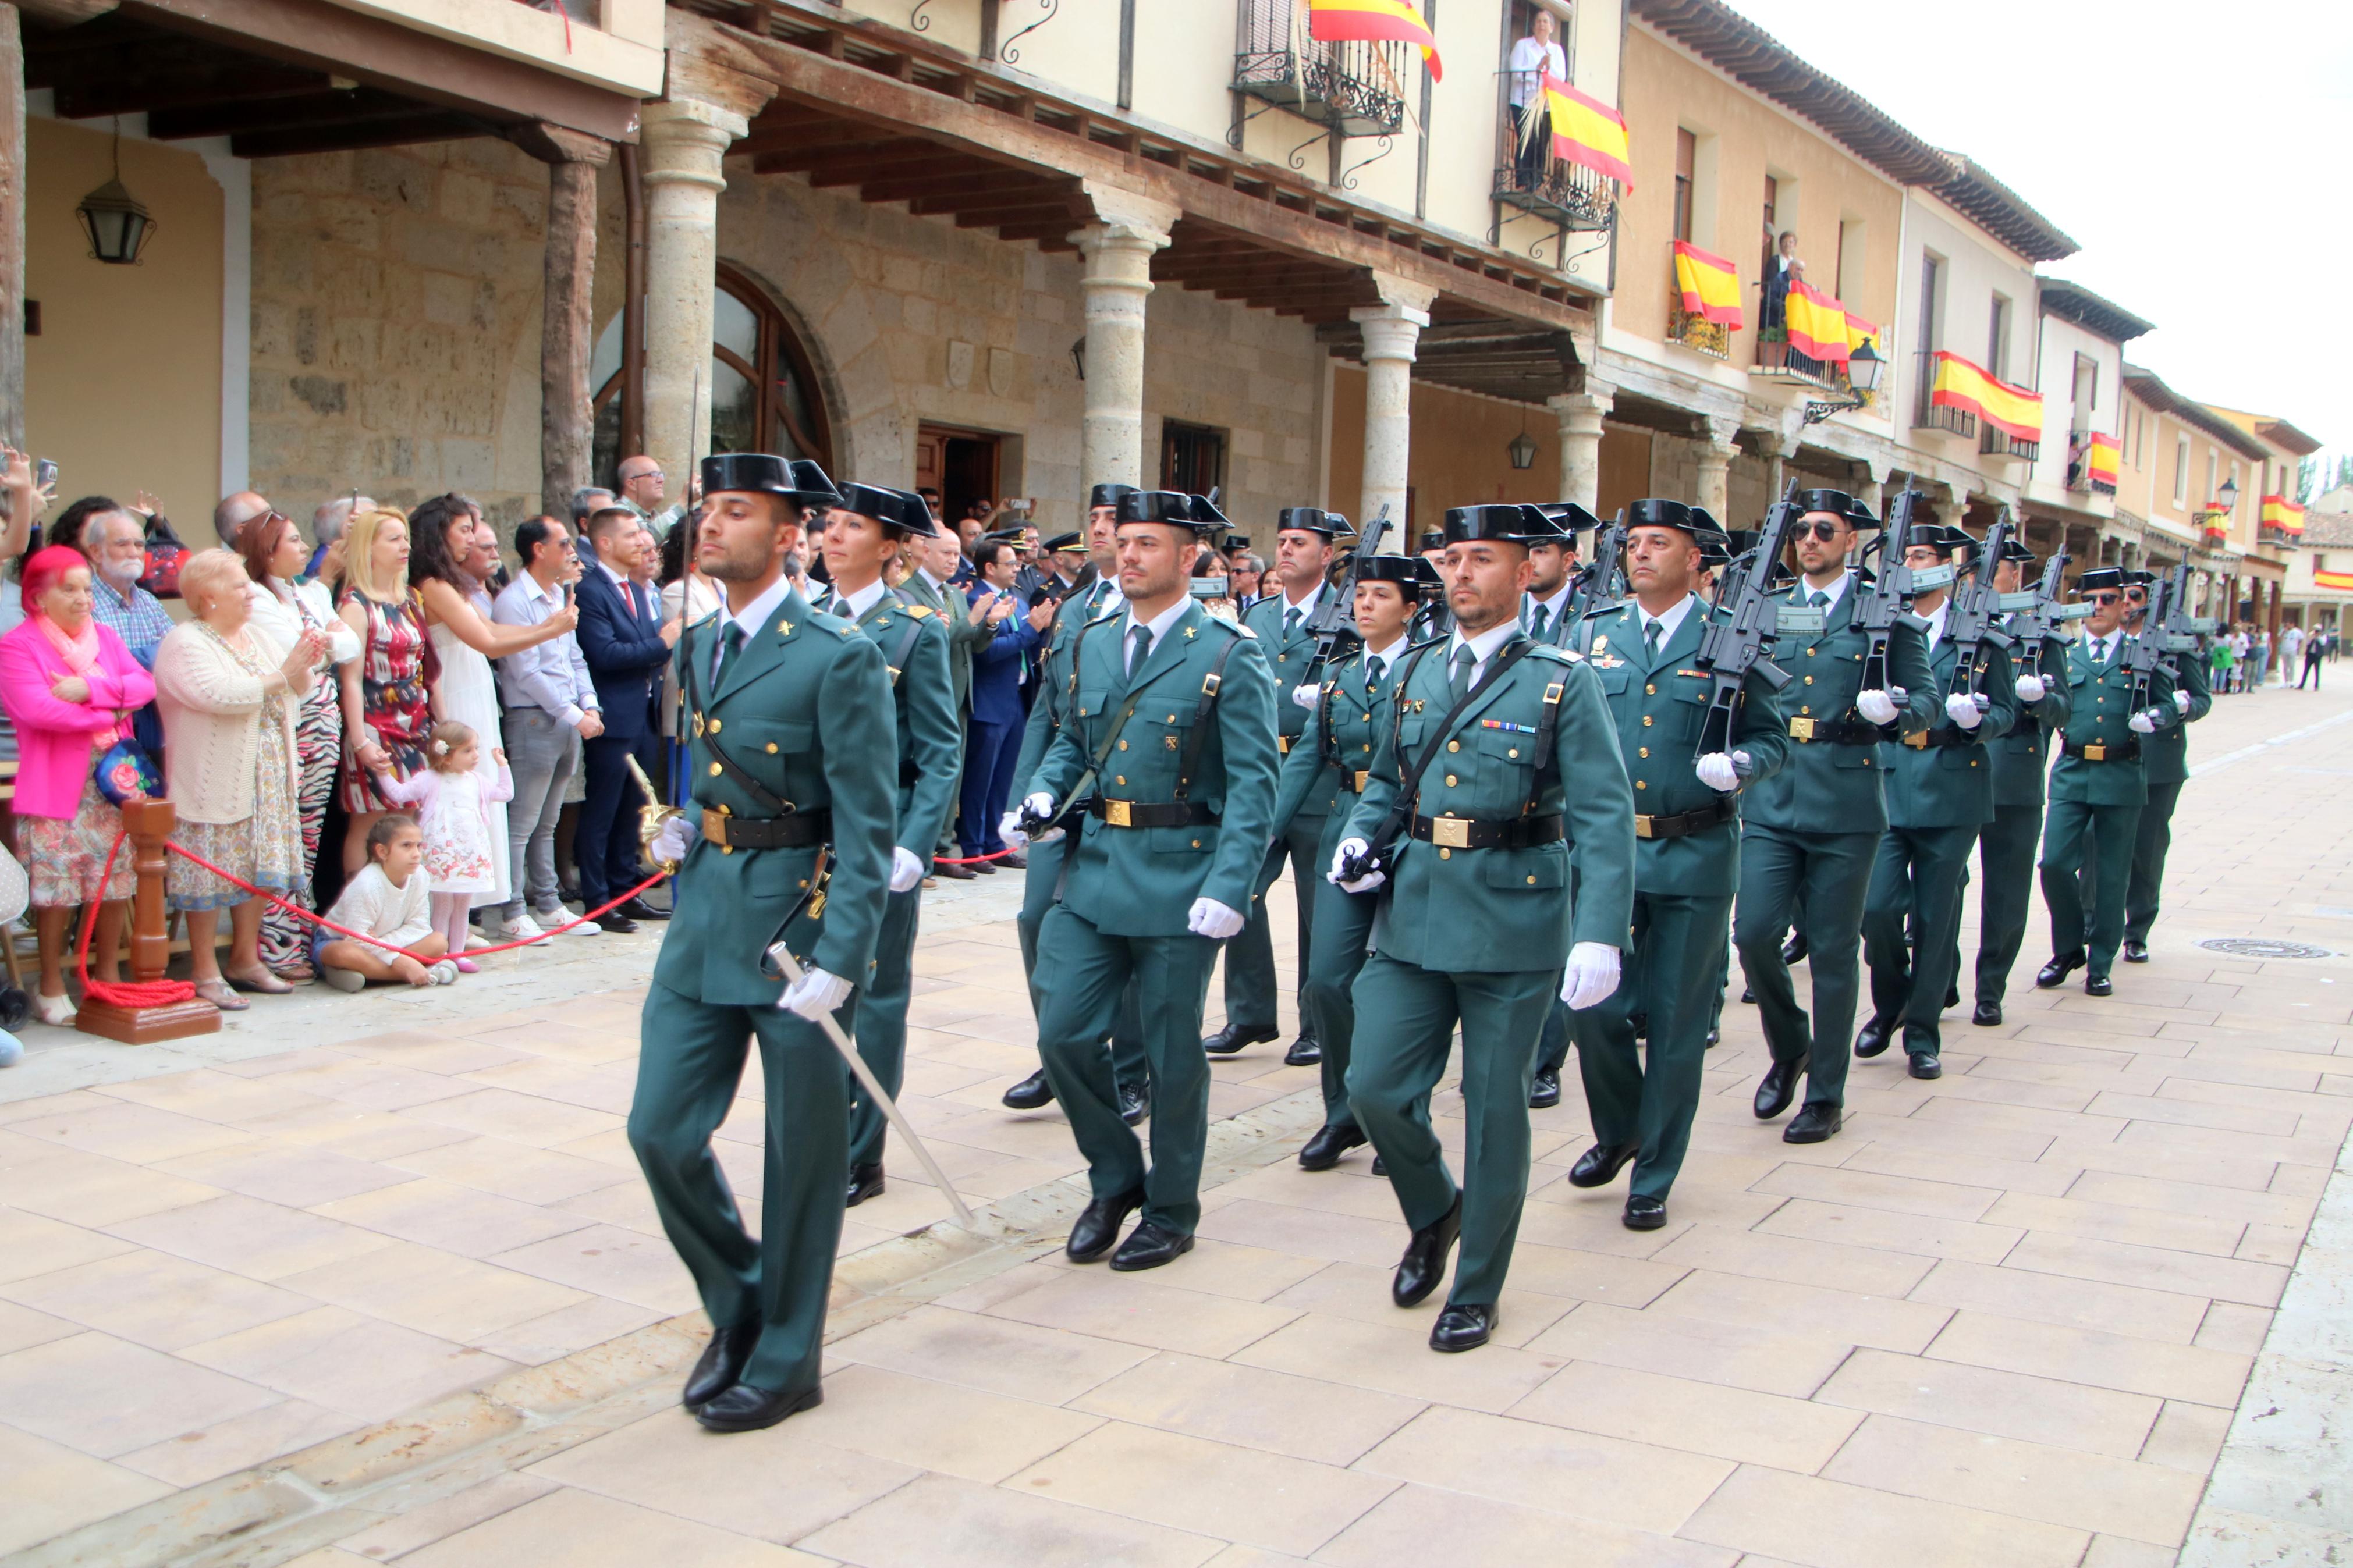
1743, 641
1969, 621
1890, 599
2040, 615
2168, 620
1334, 620
1603, 583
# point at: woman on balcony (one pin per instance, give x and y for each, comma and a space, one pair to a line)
1533, 59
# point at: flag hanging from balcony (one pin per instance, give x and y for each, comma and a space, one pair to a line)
2101, 463
1817, 324
1375, 21
2013, 410
1588, 132
1710, 286
2281, 515
1859, 333
2341, 581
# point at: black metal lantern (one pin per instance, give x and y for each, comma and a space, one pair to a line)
2229, 495
1521, 450
118, 225
1864, 367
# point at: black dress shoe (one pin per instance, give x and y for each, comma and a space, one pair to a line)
639, 910
1987, 1014
619, 924
1149, 1248
1013, 860
1381, 1166
2098, 985
1714, 1039
1925, 1064
1598, 1166
744, 1408
983, 867
1794, 949
1303, 1053
1323, 1151
1817, 1121
1952, 997
1748, 995
2061, 966
1645, 1214
1871, 1039
2135, 952
721, 1363
1545, 1092
865, 1182
1097, 1227
955, 873
1133, 1103
1233, 1038
1462, 1328
1780, 1087
1424, 1263
1031, 1093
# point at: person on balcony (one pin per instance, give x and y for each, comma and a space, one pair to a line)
1533, 59
1782, 268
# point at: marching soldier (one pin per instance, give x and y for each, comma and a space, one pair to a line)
1495, 781
1303, 559
1552, 605
1687, 856
1099, 597
1338, 743
2098, 788
1435, 620
2165, 757
794, 778
1809, 833
864, 534
1939, 789
1169, 751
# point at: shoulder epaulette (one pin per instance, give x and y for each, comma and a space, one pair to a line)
706, 621
832, 622
1557, 655
919, 612
1106, 615
1426, 642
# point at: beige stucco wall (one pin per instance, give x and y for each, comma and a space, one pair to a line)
122, 385
1458, 456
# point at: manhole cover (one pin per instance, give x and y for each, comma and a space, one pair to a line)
2259, 947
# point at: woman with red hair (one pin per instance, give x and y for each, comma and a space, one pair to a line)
70, 686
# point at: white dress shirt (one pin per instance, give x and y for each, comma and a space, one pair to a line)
1483, 648
1159, 625
755, 615
1669, 624
854, 606
1388, 655
1554, 608
1529, 60
1937, 625
1837, 591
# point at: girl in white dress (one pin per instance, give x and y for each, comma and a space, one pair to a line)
453, 804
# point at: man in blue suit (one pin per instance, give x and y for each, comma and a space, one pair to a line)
997, 668
625, 645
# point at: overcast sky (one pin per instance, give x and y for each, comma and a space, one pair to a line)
2198, 151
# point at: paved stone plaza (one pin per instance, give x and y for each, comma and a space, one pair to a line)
373, 1280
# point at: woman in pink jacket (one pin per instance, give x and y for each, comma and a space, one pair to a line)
69, 687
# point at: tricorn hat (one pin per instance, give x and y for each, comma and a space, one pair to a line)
1411, 574
1433, 538
763, 474
1107, 495
1312, 520
1570, 518
2100, 578
1173, 508
1941, 537
1656, 512
1838, 503
1506, 521
2014, 549
903, 512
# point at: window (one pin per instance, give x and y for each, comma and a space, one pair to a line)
1853, 254
1192, 457
1686, 172
1523, 22
1772, 225
1931, 268
2087, 395
1996, 359
2181, 470
2213, 488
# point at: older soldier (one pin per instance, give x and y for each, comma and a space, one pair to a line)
1496, 783
1687, 862
793, 774
1808, 834
1169, 749
2165, 757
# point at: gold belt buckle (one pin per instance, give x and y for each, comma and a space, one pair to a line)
1801, 729
1918, 742
2096, 753
1363, 776
1451, 832
1282, 743
1643, 827
1117, 813
714, 828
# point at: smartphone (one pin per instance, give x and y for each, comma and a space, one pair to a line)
1206, 587
44, 473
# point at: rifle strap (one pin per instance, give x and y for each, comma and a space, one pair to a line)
1199, 735
1409, 781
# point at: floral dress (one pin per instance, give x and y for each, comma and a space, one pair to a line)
265, 848
397, 666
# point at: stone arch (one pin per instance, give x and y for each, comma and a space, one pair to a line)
840, 386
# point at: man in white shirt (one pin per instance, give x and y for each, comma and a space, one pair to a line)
549, 698
1533, 59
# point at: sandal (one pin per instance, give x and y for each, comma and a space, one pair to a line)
262, 984
218, 994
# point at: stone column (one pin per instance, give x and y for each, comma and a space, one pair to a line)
1580, 415
1116, 259
1874, 493
1391, 330
680, 144
568, 329
1716, 454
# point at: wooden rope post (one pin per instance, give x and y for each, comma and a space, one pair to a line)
149, 823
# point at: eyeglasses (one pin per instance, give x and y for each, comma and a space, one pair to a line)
2104, 598
1823, 531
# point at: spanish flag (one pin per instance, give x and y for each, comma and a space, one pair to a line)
1588, 132
1709, 284
2340, 581
2013, 410
1859, 333
2283, 515
2101, 463
1817, 324
1376, 21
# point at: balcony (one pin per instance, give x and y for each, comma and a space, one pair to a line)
1776, 359
1993, 443
1693, 331
1352, 88
1543, 186
1927, 413
2081, 478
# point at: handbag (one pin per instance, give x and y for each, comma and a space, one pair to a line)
164, 555
126, 773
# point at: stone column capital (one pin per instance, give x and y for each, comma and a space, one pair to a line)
1582, 412
1390, 332
1723, 436
684, 138
1403, 292
1129, 217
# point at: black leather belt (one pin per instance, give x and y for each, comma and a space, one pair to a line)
798, 831
1151, 813
2124, 752
1684, 825
1466, 833
1355, 782
1835, 732
1942, 735
911, 772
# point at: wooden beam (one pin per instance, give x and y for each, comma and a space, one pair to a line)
961, 180
227, 118
98, 93
427, 125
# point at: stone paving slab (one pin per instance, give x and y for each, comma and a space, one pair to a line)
375, 1280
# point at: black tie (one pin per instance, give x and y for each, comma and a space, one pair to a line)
731, 643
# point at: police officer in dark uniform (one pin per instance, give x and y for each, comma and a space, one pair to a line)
1553, 602
2164, 757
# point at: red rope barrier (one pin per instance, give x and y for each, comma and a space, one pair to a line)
976, 859
121, 993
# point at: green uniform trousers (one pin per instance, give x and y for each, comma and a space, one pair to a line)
1784, 874
1910, 923
1646, 1095
1127, 1034
1250, 957
1344, 929
2006, 866
881, 1033
2150, 842
2086, 864
1084, 973
688, 1073
1408, 1017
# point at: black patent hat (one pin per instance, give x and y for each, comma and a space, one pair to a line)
903, 512
1570, 518
762, 473
1941, 537
1173, 508
2014, 549
1433, 538
1062, 542
1312, 520
1411, 574
1107, 495
1659, 512
2099, 579
1504, 521
1839, 504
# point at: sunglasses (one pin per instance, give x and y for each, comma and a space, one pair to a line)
1823, 531
2104, 598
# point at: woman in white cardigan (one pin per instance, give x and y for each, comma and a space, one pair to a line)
227, 690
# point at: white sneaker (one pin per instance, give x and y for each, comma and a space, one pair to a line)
346, 980
443, 973
554, 918
520, 928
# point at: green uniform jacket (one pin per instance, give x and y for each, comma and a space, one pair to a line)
1291, 661
1500, 910
1952, 786
1142, 881
805, 710
2020, 757
1340, 735
1829, 786
1556, 633
2165, 756
929, 749
2099, 701
1657, 707
965, 634
1052, 698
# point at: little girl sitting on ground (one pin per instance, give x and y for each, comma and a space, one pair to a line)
387, 901
453, 806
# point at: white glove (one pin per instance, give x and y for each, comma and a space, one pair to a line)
1877, 707
814, 995
1716, 771
1962, 709
1038, 805
2181, 700
1591, 976
2032, 689
1009, 827
2141, 723
1364, 884
676, 836
906, 868
1307, 696
1213, 919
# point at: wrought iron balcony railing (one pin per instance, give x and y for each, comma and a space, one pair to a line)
2080, 478
1354, 88
1993, 443
1929, 415
1781, 359
1534, 181
1695, 332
